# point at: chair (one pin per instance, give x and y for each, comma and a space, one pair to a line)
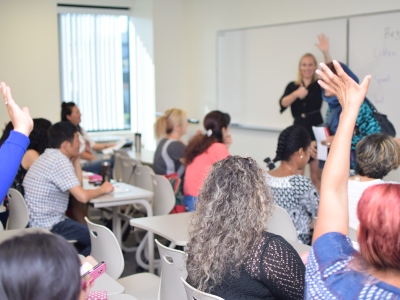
18, 215
173, 269
281, 224
195, 294
142, 177
163, 203
128, 166
117, 170
105, 247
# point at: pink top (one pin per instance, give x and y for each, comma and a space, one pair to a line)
197, 170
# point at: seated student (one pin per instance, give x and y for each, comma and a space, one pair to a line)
376, 156
13, 149
334, 269
55, 174
39, 266
38, 143
169, 153
90, 162
204, 150
229, 253
292, 191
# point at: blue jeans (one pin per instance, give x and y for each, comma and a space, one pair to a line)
72, 230
94, 166
190, 202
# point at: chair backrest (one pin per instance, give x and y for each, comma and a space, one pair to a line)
105, 248
173, 269
128, 167
142, 177
164, 196
19, 215
195, 294
117, 169
281, 224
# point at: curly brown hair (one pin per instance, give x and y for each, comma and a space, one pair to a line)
231, 213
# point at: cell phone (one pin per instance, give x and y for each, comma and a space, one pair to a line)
91, 273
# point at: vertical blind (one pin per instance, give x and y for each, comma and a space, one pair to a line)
94, 56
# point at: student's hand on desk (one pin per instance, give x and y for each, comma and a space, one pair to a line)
20, 118
107, 187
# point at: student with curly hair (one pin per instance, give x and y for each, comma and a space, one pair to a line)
202, 151
292, 191
230, 254
335, 270
376, 156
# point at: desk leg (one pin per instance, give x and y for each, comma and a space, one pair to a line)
116, 224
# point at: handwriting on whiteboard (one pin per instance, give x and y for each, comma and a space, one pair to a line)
391, 33
381, 79
384, 52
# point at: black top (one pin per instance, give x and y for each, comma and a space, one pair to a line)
306, 112
273, 270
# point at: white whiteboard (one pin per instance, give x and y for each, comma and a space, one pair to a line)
374, 48
254, 65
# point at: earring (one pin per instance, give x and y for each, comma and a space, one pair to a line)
301, 156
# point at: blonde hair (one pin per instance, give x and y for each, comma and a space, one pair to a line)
299, 76
165, 124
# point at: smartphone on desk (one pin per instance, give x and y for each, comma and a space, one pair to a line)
90, 273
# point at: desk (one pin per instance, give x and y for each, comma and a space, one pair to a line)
175, 229
146, 157
125, 195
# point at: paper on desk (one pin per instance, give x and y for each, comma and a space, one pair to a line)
118, 145
320, 135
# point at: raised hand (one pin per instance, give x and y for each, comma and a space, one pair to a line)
20, 118
323, 43
349, 93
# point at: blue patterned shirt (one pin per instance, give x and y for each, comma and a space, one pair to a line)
47, 185
329, 276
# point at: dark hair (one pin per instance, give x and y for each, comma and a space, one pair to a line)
66, 110
377, 155
291, 140
38, 138
61, 132
39, 266
213, 121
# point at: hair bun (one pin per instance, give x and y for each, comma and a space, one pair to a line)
270, 163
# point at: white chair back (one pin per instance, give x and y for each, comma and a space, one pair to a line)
195, 294
164, 196
105, 248
117, 170
19, 215
128, 167
173, 269
281, 224
142, 177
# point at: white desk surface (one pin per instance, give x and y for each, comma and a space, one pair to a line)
125, 195
145, 156
7, 234
106, 283
172, 227
175, 229
121, 297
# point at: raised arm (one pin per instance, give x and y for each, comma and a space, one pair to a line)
333, 214
323, 45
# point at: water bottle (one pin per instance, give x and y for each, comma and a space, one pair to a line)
138, 142
106, 171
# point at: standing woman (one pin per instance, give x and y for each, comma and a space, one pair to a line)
203, 151
168, 158
304, 98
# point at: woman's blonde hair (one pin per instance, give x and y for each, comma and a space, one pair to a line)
165, 124
231, 212
299, 76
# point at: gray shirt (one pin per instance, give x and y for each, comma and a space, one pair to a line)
167, 157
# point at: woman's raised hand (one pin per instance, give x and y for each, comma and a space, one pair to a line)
349, 93
323, 43
20, 118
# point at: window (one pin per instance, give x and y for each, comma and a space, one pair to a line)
95, 65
